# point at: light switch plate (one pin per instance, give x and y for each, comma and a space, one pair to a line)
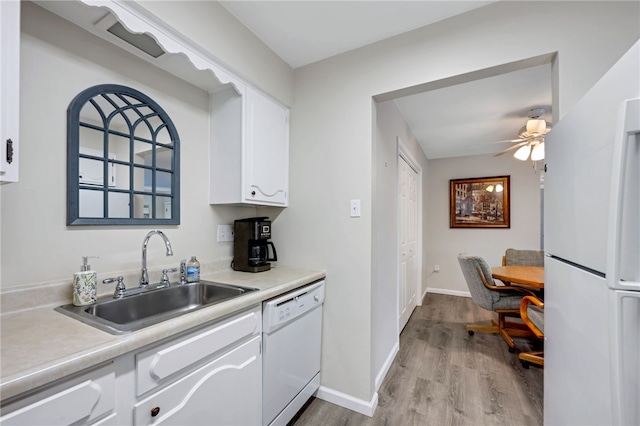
355, 208
225, 233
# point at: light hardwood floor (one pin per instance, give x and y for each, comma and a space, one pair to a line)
443, 376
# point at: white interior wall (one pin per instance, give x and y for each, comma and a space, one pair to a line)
215, 29
58, 61
445, 243
390, 126
332, 151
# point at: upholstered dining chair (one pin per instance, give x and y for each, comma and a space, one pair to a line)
532, 313
501, 299
523, 257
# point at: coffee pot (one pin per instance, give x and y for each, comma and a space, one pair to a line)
251, 245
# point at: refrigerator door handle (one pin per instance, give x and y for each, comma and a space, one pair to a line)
623, 268
625, 356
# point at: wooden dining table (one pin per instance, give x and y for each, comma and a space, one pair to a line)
531, 277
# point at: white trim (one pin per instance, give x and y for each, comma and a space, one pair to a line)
424, 293
387, 365
137, 19
449, 292
347, 401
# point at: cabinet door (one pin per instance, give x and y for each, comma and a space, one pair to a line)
9, 89
79, 401
227, 391
161, 364
266, 172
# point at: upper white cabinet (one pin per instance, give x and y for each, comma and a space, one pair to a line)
266, 151
9, 89
249, 154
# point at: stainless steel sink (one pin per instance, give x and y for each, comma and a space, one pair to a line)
130, 313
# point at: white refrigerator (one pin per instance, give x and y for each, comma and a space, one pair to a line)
592, 242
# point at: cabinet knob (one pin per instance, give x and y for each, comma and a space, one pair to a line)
155, 411
253, 193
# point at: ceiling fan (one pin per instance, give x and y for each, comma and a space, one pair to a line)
530, 141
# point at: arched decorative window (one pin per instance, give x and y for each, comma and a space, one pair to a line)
123, 159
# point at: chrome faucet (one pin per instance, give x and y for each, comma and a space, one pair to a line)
144, 278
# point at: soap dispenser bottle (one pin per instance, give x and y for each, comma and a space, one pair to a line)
85, 284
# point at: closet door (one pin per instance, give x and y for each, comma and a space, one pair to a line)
408, 202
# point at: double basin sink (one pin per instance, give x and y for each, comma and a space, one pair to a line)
134, 312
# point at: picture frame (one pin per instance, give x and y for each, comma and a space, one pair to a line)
482, 202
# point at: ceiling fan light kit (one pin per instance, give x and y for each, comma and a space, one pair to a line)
537, 153
536, 127
523, 152
530, 144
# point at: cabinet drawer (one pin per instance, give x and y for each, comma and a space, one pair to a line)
78, 401
160, 364
227, 391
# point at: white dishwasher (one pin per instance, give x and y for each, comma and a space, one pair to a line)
291, 345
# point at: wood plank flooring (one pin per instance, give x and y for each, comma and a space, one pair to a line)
443, 376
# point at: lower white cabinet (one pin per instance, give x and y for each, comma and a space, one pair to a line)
226, 391
210, 376
77, 401
162, 364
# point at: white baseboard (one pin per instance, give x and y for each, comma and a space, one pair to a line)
347, 401
387, 365
448, 292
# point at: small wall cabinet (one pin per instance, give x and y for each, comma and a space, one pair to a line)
9, 89
249, 153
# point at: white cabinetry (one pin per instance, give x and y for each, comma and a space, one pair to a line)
211, 376
226, 391
249, 154
9, 89
79, 401
162, 364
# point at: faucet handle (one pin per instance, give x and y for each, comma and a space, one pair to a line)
120, 288
183, 271
165, 275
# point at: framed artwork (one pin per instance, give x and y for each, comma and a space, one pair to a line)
479, 202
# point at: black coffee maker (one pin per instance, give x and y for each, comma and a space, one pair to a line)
251, 245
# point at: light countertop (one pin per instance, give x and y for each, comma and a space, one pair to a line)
41, 345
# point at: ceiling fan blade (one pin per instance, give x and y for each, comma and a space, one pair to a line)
511, 148
494, 142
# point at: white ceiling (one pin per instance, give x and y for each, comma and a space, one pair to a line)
464, 119
306, 31
469, 118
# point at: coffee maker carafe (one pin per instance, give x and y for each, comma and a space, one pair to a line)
251, 245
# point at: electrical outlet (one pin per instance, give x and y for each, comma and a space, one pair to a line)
225, 233
436, 268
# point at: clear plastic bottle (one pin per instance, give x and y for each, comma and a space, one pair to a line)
193, 270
